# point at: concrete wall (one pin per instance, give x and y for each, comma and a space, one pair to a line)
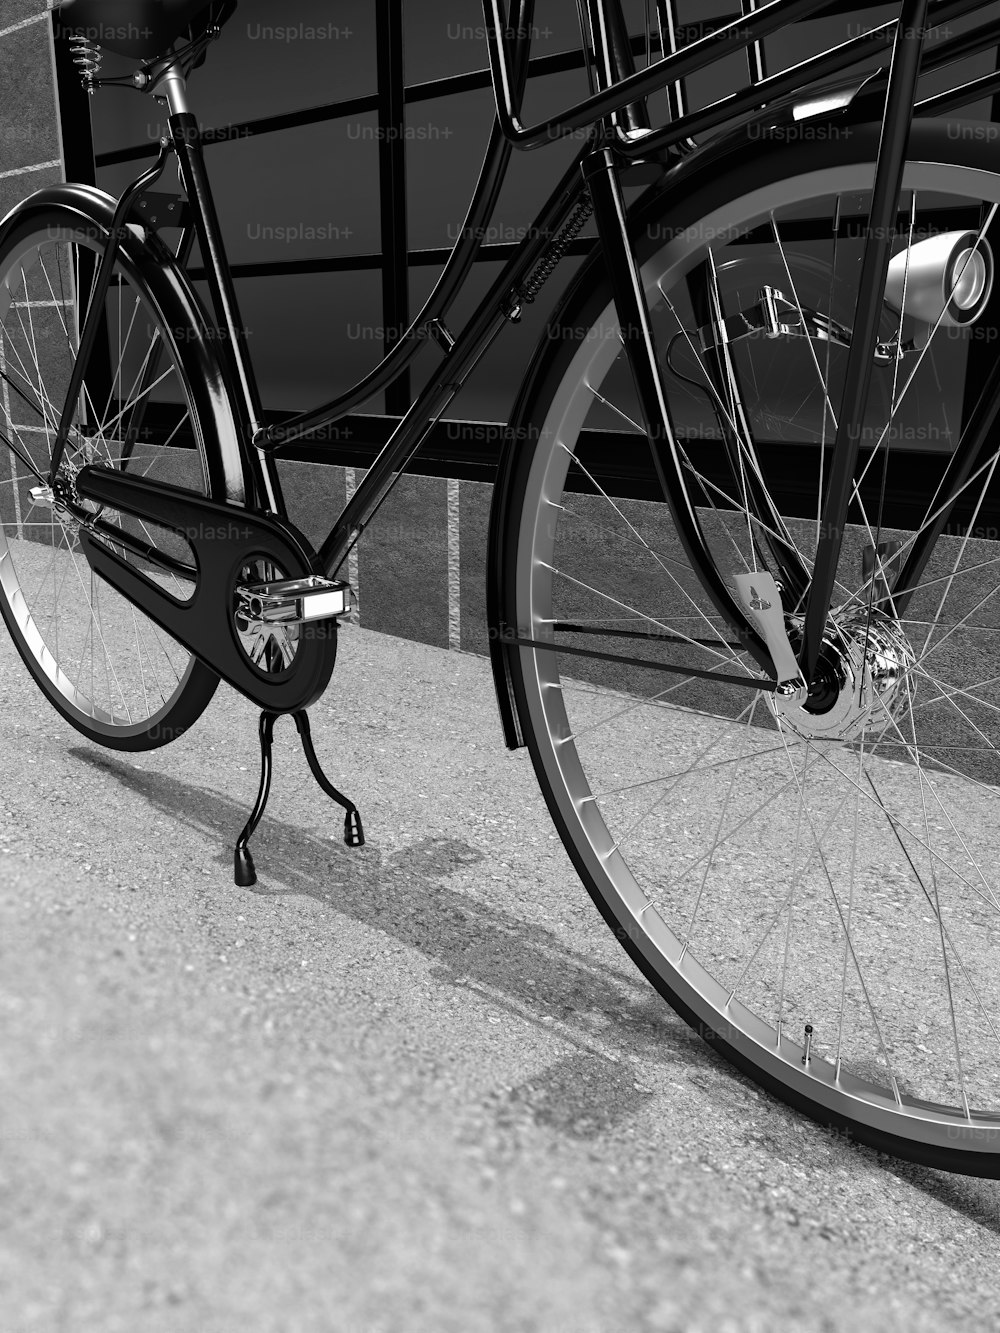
420, 568
30, 152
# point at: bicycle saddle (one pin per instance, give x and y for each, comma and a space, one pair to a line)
141, 29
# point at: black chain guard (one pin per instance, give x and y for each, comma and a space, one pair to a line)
223, 538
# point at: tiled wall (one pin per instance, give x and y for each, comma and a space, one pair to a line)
29, 128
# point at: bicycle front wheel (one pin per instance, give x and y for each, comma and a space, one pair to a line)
111, 671
813, 884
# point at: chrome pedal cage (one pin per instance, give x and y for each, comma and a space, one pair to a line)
293, 601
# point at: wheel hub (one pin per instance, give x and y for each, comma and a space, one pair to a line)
863, 678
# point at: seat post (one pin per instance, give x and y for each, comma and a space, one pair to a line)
185, 136
174, 86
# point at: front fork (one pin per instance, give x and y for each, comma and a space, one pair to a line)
601, 174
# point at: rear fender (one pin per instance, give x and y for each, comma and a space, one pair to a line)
193, 341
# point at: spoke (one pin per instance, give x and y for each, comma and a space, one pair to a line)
779, 911
718, 830
795, 880
745, 822
701, 767
828, 880
928, 583
898, 823
614, 408
735, 406
59, 305
140, 374
148, 390
946, 691
747, 456
44, 402
638, 542
654, 701
708, 485
922, 785
926, 652
958, 560
990, 897
827, 405
95, 623
138, 655
850, 912
731, 660
947, 934
990, 745
15, 452
644, 544
34, 346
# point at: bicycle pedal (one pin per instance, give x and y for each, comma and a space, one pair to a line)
294, 601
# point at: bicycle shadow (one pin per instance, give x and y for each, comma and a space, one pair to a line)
518, 966
479, 947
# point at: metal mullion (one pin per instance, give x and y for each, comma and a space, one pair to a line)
499, 253
547, 222
392, 191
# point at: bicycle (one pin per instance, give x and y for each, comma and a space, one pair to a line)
757, 699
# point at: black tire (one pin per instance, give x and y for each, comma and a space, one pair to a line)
164, 689
727, 184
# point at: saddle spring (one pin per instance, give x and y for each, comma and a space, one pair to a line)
87, 56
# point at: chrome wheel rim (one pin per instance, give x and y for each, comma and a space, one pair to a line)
568, 715
107, 664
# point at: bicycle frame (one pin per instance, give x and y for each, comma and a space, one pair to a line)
618, 136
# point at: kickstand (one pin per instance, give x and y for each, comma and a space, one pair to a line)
243, 867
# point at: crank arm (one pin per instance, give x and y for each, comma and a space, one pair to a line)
224, 539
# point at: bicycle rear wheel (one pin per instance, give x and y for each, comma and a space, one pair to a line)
106, 667
812, 885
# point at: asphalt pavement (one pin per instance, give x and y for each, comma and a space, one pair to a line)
411, 1086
